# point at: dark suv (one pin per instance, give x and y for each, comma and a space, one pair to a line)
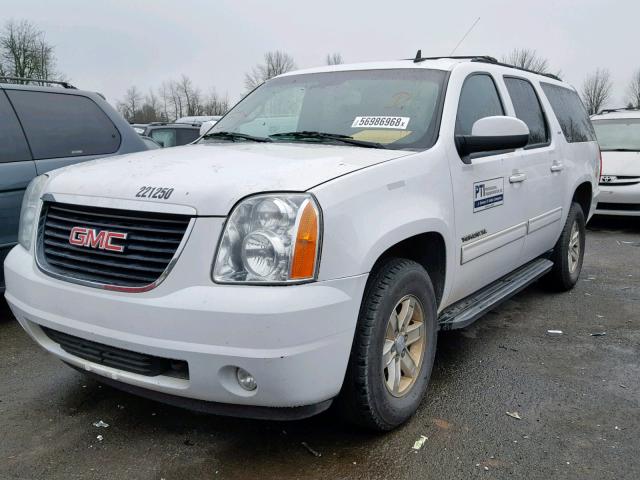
172, 134
47, 127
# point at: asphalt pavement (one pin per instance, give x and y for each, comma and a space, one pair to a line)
577, 396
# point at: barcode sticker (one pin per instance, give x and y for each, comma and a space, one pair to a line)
399, 123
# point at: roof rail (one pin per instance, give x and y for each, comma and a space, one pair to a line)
419, 58
479, 58
495, 62
22, 80
622, 109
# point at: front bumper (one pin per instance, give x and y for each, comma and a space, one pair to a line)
295, 340
622, 200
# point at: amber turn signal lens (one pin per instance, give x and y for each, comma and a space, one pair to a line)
305, 252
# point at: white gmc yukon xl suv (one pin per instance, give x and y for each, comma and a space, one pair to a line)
309, 247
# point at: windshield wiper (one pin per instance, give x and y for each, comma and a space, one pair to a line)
336, 137
235, 135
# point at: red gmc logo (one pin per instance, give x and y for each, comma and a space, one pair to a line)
90, 237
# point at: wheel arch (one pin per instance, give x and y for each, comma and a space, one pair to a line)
583, 195
428, 248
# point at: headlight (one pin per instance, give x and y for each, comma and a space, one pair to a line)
30, 204
271, 238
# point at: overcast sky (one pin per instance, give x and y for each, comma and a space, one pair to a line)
109, 45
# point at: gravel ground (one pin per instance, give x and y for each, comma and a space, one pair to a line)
578, 397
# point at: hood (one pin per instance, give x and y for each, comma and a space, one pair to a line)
212, 177
622, 164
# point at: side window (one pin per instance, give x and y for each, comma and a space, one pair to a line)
61, 125
13, 146
478, 99
528, 109
187, 135
570, 113
164, 136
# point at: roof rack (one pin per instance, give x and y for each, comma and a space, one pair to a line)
480, 58
38, 80
622, 109
419, 58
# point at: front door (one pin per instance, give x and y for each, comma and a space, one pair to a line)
490, 196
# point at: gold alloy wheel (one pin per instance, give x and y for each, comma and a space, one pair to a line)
404, 345
574, 247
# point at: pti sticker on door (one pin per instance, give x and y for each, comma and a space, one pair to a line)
488, 194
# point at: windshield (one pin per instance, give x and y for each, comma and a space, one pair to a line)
621, 134
397, 109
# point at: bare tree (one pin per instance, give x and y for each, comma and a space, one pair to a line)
596, 90
334, 59
275, 63
634, 90
215, 104
24, 52
528, 59
130, 105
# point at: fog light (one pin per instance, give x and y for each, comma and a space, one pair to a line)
245, 379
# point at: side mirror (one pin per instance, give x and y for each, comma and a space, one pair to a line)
491, 134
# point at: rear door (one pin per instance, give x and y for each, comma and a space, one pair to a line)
63, 128
16, 171
489, 197
541, 162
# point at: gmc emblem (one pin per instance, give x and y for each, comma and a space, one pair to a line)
90, 237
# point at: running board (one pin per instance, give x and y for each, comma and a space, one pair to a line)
469, 309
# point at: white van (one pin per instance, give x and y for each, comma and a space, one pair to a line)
308, 249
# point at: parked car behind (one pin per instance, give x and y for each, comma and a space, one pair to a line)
197, 119
43, 128
618, 133
172, 134
310, 246
206, 126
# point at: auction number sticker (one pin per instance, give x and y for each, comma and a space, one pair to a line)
381, 122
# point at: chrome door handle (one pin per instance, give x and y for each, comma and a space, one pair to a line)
517, 177
557, 167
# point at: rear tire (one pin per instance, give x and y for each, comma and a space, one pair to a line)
568, 253
393, 348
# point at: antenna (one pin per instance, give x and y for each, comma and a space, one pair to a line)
465, 35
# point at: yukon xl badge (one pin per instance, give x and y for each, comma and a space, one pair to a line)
92, 238
488, 194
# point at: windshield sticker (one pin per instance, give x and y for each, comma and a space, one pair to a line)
488, 194
399, 123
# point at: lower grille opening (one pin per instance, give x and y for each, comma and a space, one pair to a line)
631, 207
134, 362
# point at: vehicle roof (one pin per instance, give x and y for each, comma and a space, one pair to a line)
434, 63
621, 113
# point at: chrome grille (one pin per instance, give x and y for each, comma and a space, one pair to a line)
151, 243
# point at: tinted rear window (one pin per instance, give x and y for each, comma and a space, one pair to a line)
61, 125
187, 135
527, 107
13, 146
570, 112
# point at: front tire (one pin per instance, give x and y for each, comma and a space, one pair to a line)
393, 349
568, 253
